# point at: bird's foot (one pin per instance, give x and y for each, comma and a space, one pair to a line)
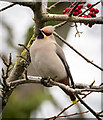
46, 82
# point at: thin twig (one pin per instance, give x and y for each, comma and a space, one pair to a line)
77, 51
100, 112
9, 6
10, 59
93, 90
77, 33
61, 24
71, 105
92, 84
78, 86
71, 12
67, 115
4, 61
101, 84
89, 108
5, 74
72, 4
23, 58
24, 47
54, 5
27, 4
84, 86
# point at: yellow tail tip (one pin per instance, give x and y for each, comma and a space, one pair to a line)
75, 101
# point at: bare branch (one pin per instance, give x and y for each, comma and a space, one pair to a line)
54, 5
9, 6
38, 17
23, 58
77, 51
60, 24
76, 91
77, 33
7, 90
71, 105
27, 4
71, 12
4, 61
93, 90
66, 87
5, 74
67, 115
21, 63
34, 79
60, 17
44, 6
5, 85
92, 84
24, 47
84, 86
63, 23
100, 112
89, 108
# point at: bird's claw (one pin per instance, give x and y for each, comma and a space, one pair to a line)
46, 82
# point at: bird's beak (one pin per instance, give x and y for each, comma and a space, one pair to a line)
45, 36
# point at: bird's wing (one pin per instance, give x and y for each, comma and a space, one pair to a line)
61, 55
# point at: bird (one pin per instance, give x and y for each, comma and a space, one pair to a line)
48, 59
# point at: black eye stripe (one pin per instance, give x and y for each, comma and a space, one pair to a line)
47, 34
40, 35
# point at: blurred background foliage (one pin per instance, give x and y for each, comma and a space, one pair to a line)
21, 104
28, 98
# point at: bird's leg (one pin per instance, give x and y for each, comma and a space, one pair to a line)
46, 81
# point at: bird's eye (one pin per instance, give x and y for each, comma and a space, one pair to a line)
47, 34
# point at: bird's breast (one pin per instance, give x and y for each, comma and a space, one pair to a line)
47, 63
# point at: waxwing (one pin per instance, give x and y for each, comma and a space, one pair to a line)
48, 59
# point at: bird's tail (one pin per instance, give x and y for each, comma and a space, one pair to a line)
72, 97
69, 93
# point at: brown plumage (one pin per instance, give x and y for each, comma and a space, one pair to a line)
48, 59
